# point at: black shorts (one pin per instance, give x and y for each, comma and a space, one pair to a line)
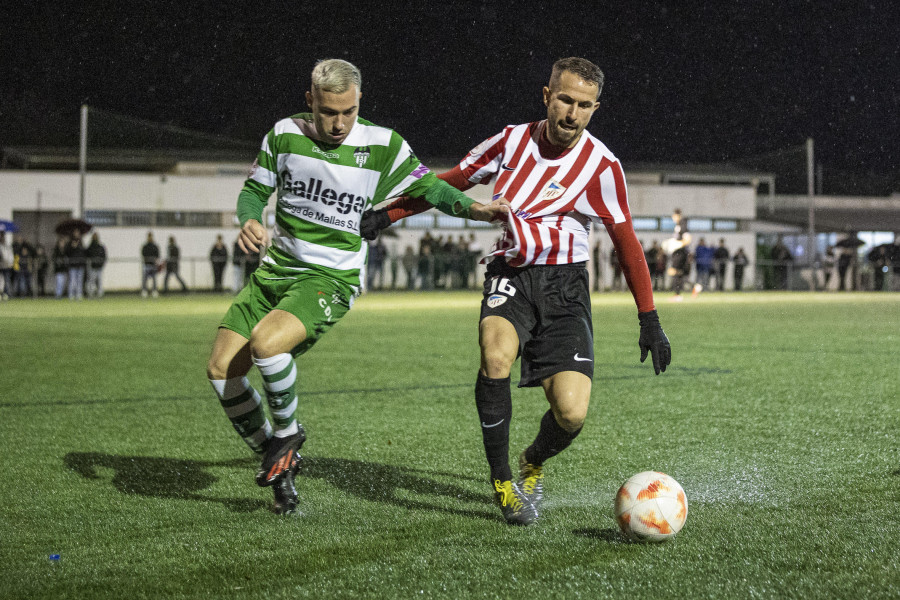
550, 307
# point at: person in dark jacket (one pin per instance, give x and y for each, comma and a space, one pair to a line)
76, 256
60, 265
96, 260
150, 257
218, 256
173, 258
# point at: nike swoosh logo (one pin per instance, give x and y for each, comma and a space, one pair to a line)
580, 359
506, 167
494, 425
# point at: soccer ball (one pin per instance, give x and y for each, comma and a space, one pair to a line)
651, 507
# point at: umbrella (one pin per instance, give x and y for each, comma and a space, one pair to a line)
8, 226
851, 241
69, 226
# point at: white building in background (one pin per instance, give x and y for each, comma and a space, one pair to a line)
196, 202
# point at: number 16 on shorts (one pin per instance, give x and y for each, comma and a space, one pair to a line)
499, 292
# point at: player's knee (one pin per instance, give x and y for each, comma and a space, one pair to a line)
217, 367
262, 346
572, 420
495, 363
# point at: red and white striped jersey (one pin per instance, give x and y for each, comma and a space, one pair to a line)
552, 201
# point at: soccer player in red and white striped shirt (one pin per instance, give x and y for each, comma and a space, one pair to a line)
558, 178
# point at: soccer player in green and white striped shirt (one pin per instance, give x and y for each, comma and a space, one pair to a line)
327, 166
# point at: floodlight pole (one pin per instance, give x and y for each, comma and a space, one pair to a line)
82, 159
811, 192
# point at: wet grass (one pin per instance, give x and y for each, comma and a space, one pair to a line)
778, 416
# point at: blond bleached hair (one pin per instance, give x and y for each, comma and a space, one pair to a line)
335, 76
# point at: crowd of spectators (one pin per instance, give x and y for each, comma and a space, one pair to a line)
74, 269
77, 269
440, 262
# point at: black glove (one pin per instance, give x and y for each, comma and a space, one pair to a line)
373, 221
653, 339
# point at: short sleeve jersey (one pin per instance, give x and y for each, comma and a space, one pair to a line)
323, 189
554, 201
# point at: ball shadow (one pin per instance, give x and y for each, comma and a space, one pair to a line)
608, 534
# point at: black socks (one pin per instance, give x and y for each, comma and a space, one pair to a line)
550, 441
494, 402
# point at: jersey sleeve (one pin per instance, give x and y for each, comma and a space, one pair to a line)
260, 183
633, 263
605, 198
483, 161
404, 174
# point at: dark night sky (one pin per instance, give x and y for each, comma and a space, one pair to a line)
685, 81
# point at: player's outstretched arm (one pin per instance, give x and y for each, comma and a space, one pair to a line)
652, 339
374, 221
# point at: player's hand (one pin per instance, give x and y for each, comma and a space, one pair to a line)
495, 211
653, 340
373, 221
253, 237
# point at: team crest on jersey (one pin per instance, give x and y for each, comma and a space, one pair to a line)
362, 155
479, 149
496, 300
552, 190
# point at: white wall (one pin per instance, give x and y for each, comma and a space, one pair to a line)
49, 190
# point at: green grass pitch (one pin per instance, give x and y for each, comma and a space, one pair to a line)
779, 416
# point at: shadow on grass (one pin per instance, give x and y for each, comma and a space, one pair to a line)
380, 483
183, 479
610, 534
156, 477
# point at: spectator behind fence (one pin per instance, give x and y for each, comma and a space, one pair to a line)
41, 264
218, 257
5, 267
76, 256
237, 267
781, 263
894, 260
597, 264
828, 265
720, 264
60, 266
653, 265
150, 256
410, 261
703, 261
96, 260
173, 265
845, 261
616, 282
23, 259
878, 258
740, 262
375, 267
426, 268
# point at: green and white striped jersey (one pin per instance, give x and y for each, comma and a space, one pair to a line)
323, 190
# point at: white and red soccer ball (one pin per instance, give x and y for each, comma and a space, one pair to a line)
651, 507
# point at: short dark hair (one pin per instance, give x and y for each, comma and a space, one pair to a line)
581, 67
